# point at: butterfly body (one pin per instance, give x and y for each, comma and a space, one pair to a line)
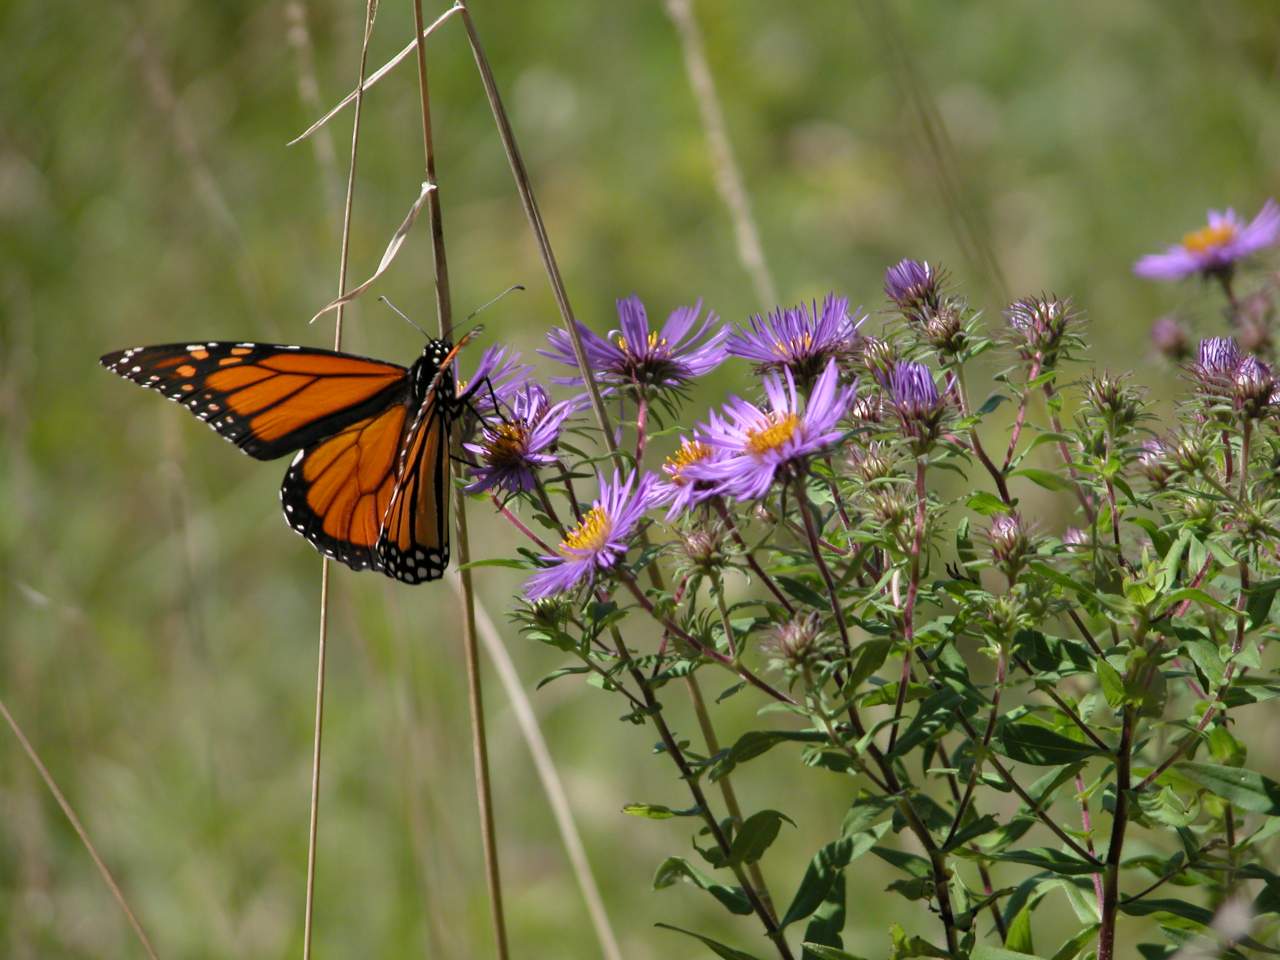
369, 482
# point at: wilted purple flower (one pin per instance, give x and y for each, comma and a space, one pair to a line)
757, 447
513, 446
681, 491
915, 398
1038, 325
600, 540
1170, 337
1214, 248
798, 339
913, 285
635, 355
1076, 540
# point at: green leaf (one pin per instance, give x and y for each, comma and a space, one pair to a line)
1043, 478
755, 836
984, 952
1246, 789
1169, 600
828, 919
869, 658
1073, 946
1261, 596
986, 504
674, 869
975, 828
803, 592
936, 714
991, 403
656, 811
826, 866
1112, 683
1038, 745
824, 952
715, 946
562, 672
1045, 858
755, 742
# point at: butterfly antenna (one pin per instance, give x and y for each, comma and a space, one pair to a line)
485, 306
405, 317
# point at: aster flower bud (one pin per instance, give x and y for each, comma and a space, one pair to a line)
1039, 324
914, 286
892, 508
1216, 360
798, 643
701, 549
1190, 453
916, 400
1153, 462
1112, 400
871, 463
1009, 542
1253, 385
944, 327
1171, 339
868, 408
1077, 540
878, 356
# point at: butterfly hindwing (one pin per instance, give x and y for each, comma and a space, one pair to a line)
414, 542
336, 493
268, 399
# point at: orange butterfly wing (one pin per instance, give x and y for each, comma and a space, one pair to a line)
267, 399
414, 541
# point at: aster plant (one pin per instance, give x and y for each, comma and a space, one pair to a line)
1028, 683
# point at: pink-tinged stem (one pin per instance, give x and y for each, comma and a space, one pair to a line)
1022, 412
909, 605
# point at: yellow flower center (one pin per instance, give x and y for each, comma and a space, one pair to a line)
691, 451
772, 432
508, 443
794, 347
654, 342
1209, 238
591, 534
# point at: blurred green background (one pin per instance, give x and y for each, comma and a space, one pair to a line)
159, 621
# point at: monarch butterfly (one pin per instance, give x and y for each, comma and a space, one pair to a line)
370, 481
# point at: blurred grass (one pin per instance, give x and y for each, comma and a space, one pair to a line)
158, 618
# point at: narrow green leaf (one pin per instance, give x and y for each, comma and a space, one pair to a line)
755, 836
828, 919
715, 946
656, 811
1045, 858
824, 952
1043, 478
1246, 789
755, 742
984, 952
674, 869
1038, 745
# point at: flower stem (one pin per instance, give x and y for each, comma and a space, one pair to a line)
752, 562
909, 605
1119, 821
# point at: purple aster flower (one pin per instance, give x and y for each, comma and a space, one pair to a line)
600, 540
1253, 386
801, 339
913, 285
505, 375
1214, 248
757, 447
680, 490
1153, 461
512, 447
635, 355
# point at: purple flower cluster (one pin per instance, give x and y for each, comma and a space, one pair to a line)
915, 398
801, 339
1216, 247
914, 286
635, 355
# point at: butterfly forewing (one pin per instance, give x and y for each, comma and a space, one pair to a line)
267, 399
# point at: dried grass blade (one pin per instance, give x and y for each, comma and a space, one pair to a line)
388, 256
377, 75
